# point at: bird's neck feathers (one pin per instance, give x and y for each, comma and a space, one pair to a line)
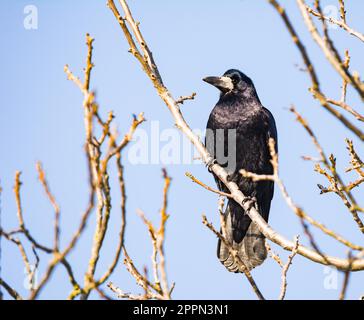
249, 93
247, 97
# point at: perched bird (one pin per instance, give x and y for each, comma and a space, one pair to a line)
237, 135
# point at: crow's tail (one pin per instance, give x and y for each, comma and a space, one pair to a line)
251, 248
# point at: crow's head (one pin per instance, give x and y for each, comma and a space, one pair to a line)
231, 81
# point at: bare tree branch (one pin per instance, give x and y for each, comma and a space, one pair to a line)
341, 23
328, 50
285, 271
315, 89
12, 292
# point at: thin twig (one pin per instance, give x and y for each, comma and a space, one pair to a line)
285, 270
182, 99
273, 255
346, 279
12, 292
195, 180
52, 200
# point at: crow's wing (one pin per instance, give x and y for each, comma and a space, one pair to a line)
272, 128
271, 133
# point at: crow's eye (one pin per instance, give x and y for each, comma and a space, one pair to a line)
235, 79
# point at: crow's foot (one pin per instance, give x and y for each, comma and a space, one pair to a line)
210, 164
251, 201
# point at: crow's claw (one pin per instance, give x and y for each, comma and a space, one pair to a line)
232, 177
210, 164
251, 202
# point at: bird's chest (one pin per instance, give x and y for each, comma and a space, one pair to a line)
240, 136
248, 123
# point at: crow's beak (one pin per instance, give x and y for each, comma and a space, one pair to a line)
224, 84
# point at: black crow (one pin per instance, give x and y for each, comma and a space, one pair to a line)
237, 135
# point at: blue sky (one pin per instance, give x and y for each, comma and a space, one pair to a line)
41, 118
